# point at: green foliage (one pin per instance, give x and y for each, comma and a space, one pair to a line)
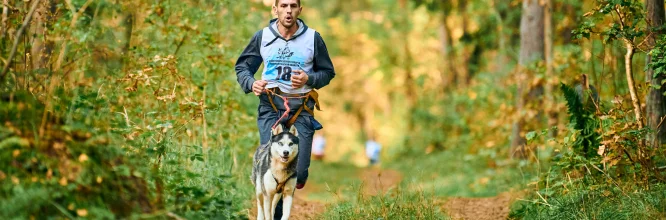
118, 132
596, 200
630, 26
392, 205
658, 62
583, 119
66, 169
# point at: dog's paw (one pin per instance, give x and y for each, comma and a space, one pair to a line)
300, 185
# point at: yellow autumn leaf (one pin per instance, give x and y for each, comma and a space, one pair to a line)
99, 179
83, 158
63, 181
58, 145
16, 153
82, 212
472, 95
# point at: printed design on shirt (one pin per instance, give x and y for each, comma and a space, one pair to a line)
284, 53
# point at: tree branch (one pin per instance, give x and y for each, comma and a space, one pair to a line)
17, 39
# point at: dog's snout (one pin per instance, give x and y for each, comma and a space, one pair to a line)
285, 153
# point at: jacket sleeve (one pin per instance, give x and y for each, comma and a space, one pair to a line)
323, 66
248, 63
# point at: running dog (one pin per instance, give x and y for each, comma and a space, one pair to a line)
274, 172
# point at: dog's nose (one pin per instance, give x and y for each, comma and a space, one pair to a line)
286, 153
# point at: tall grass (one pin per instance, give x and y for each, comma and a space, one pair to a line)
396, 204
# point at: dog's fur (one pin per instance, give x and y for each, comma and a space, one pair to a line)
274, 172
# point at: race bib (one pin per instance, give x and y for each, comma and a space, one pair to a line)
282, 64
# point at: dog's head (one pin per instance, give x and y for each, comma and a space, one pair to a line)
284, 144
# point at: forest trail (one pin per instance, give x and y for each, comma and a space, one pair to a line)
479, 208
377, 181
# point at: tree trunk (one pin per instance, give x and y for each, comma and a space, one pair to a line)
531, 50
501, 60
5, 14
43, 46
446, 47
466, 50
656, 103
128, 24
548, 42
628, 57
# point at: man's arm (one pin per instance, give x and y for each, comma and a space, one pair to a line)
323, 66
248, 63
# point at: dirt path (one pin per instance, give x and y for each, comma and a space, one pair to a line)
479, 208
376, 181
302, 208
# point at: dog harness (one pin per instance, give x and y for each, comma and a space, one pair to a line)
285, 98
280, 186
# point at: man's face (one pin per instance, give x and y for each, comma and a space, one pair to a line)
287, 12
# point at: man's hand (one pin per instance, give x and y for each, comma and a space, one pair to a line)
258, 87
298, 79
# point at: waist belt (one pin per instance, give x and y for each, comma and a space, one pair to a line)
305, 96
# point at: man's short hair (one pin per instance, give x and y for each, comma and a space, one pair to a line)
278, 1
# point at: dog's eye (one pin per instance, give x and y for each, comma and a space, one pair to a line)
281, 144
291, 144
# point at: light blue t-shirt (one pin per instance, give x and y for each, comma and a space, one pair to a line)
372, 149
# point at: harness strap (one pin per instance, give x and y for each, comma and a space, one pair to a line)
312, 94
280, 186
270, 99
292, 120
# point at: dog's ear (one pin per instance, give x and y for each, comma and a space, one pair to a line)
293, 130
277, 130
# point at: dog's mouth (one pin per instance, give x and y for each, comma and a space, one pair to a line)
284, 159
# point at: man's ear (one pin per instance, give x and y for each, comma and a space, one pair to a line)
277, 130
275, 11
293, 130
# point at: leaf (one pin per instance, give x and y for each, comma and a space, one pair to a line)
122, 170
147, 134
530, 135
82, 212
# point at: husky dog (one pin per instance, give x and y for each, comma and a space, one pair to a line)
274, 172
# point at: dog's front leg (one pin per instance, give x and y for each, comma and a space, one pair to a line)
270, 187
259, 192
288, 197
276, 199
260, 207
268, 213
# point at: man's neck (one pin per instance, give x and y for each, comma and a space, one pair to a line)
287, 33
